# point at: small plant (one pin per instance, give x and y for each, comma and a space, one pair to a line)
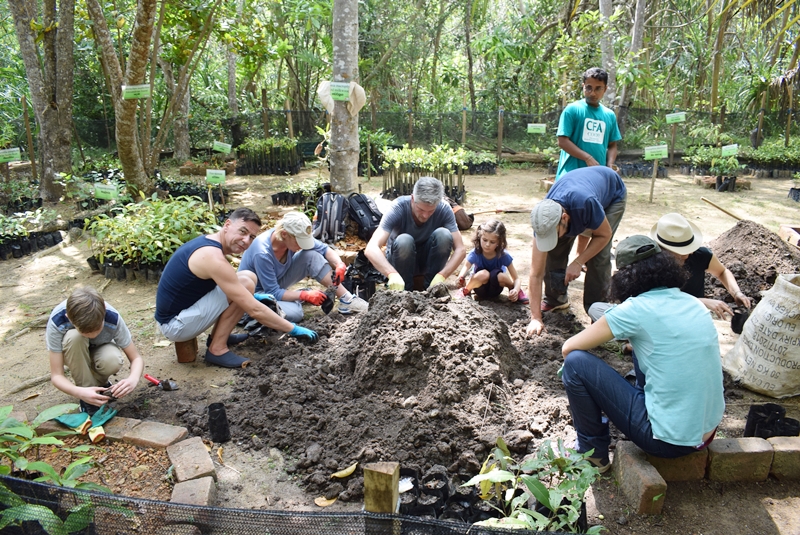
725, 166
796, 180
557, 478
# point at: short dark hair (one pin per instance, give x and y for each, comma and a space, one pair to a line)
597, 73
246, 215
660, 270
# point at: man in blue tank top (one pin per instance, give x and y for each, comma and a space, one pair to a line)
199, 288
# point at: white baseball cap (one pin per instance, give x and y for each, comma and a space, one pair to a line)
299, 225
545, 218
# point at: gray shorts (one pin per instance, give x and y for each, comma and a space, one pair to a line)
197, 318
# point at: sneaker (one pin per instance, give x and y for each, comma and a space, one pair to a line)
356, 304
602, 465
88, 409
522, 298
547, 307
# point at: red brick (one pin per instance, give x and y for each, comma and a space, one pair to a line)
155, 435
739, 459
638, 479
201, 491
690, 467
191, 460
786, 460
118, 427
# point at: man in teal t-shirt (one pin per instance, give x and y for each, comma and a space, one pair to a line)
587, 130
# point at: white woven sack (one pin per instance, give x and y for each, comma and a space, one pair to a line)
766, 357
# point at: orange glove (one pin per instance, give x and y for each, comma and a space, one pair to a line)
338, 275
315, 297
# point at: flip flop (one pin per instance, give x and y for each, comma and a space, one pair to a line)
228, 360
233, 339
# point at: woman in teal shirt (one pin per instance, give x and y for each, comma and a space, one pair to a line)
677, 403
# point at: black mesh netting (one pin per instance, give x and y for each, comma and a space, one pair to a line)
112, 515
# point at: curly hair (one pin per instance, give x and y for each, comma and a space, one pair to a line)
493, 226
658, 271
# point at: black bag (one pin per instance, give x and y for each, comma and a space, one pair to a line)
364, 211
331, 219
361, 277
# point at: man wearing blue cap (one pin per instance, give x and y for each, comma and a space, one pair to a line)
588, 201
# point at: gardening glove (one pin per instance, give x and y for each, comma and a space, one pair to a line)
560, 371
396, 282
461, 282
338, 274
438, 279
102, 416
264, 297
78, 421
315, 297
96, 434
302, 332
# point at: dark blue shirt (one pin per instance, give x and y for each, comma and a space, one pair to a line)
179, 288
585, 194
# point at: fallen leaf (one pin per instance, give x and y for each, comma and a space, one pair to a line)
162, 343
214, 386
346, 472
31, 396
323, 502
219, 454
208, 444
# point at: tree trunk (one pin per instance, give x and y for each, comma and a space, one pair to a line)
468, 45
180, 128
127, 136
636, 45
344, 126
50, 82
607, 51
717, 59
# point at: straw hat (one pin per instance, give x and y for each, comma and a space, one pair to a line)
674, 233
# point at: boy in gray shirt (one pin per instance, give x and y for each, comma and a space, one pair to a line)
91, 338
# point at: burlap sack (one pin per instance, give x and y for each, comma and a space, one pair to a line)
766, 358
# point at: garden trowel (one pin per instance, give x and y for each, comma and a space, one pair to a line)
168, 385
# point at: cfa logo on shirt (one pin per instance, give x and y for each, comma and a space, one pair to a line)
593, 131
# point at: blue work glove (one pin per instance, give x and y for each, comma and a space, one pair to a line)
302, 332
560, 371
103, 415
264, 297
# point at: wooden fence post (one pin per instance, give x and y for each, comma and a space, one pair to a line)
291, 130
31, 152
653, 180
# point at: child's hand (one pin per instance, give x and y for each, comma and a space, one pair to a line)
461, 282
513, 295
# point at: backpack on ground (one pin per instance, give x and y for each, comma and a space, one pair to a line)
331, 220
364, 211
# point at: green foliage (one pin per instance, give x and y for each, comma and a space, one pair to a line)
254, 145
727, 166
150, 231
773, 153
440, 158
557, 478
20, 224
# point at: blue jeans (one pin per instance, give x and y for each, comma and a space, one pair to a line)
410, 258
593, 387
304, 264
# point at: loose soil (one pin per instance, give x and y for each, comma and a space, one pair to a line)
420, 378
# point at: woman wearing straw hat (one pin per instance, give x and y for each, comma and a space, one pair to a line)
684, 240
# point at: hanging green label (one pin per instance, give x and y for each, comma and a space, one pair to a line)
340, 90
215, 176
656, 152
730, 150
677, 117
219, 146
537, 128
130, 92
105, 191
10, 155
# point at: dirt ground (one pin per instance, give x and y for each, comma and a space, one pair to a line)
421, 379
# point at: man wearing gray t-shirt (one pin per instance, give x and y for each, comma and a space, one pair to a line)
419, 233
91, 338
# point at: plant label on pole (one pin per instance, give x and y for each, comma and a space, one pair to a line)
537, 128
730, 150
10, 155
219, 146
215, 176
677, 117
656, 152
105, 191
340, 90
130, 92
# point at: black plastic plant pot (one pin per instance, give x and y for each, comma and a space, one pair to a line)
5, 251
718, 182
130, 274
153, 274
436, 484
57, 237
794, 194
407, 502
762, 420
41, 242
49, 241
93, 263
275, 199
16, 250
218, 423
109, 270
25, 244
738, 320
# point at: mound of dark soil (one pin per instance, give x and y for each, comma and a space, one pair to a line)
755, 256
420, 378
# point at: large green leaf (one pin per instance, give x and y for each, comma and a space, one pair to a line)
5, 411
52, 412
36, 513
495, 476
538, 490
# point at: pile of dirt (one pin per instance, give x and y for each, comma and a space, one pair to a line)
420, 378
756, 256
